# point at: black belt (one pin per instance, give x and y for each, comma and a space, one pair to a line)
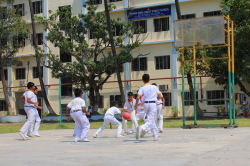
29, 106
75, 111
159, 103
149, 102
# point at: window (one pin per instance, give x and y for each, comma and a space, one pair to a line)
162, 62
3, 105
213, 13
39, 37
114, 0
37, 7
35, 72
4, 10
142, 25
20, 73
63, 17
139, 64
168, 99
217, 94
188, 16
91, 35
118, 99
187, 96
5, 75
161, 24
19, 9
66, 90
19, 41
95, 2
117, 31
64, 108
101, 105
65, 57
239, 98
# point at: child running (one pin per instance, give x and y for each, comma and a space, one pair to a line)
129, 107
78, 113
110, 118
150, 94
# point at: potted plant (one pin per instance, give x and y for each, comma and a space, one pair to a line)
174, 111
220, 109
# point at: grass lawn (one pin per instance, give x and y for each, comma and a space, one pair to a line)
15, 127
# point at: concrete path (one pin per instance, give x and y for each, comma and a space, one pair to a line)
201, 147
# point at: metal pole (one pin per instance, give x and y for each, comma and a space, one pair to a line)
233, 71
194, 56
60, 108
183, 89
229, 69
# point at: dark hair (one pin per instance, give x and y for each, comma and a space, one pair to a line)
78, 92
35, 88
113, 103
154, 84
145, 78
130, 94
30, 84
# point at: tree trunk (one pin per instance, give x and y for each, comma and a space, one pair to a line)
97, 98
242, 88
92, 97
38, 60
114, 52
191, 89
178, 10
5, 90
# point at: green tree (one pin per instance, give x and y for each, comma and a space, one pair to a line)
94, 63
12, 37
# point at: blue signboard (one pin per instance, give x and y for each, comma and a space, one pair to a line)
149, 12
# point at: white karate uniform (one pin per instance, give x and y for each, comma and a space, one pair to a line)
30, 111
82, 124
130, 107
160, 114
149, 93
110, 118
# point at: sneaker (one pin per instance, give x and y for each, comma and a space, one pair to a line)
74, 135
22, 135
149, 132
131, 132
26, 136
143, 134
94, 136
125, 134
119, 136
85, 140
156, 139
138, 132
37, 135
160, 131
31, 135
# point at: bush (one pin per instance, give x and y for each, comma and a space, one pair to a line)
105, 110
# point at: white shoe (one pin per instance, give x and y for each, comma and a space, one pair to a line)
22, 135
85, 140
143, 134
74, 135
156, 139
26, 136
125, 134
37, 135
94, 136
131, 132
31, 135
160, 131
119, 136
149, 132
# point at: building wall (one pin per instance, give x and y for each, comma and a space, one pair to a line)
156, 44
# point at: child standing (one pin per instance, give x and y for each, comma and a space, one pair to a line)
110, 118
78, 113
129, 107
150, 94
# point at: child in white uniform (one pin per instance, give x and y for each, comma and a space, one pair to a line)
37, 117
129, 107
110, 118
160, 106
29, 109
78, 113
150, 94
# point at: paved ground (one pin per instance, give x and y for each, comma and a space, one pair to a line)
199, 147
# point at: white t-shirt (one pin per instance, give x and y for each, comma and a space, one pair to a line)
76, 104
130, 106
112, 111
149, 92
32, 96
159, 101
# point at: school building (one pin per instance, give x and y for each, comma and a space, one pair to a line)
160, 63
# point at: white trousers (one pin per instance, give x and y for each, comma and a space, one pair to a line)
138, 116
160, 114
110, 119
150, 110
82, 125
31, 118
133, 119
37, 124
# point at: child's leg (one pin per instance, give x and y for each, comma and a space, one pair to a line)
31, 118
137, 116
161, 120
118, 125
125, 127
134, 120
78, 126
85, 124
37, 125
105, 124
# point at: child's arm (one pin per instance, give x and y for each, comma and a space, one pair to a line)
67, 114
163, 103
23, 97
84, 110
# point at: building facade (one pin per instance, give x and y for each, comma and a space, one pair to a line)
160, 63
